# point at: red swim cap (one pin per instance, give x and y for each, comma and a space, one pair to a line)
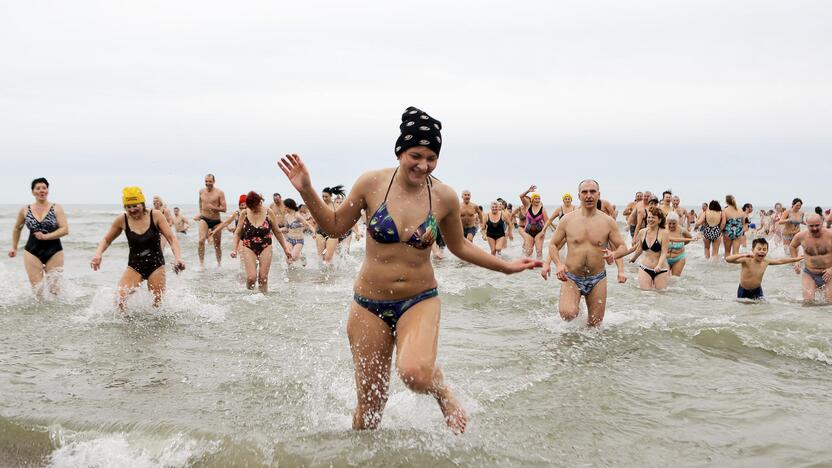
242, 199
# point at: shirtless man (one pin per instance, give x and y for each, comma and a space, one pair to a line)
817, 250
666, 203
211, 204
641, 216
607, 207
470, 216
584, 273
179, 222
637, 209
279, 211
630, 206
675, 204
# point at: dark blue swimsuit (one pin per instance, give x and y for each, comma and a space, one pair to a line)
383, 230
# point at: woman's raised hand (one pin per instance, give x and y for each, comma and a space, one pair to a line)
295, 171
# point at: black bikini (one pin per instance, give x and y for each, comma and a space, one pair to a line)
655, 247
145, 249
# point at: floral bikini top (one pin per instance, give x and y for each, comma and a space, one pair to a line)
383, 229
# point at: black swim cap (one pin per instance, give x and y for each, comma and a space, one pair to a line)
419, 129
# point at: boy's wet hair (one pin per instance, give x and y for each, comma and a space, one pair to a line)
759, 241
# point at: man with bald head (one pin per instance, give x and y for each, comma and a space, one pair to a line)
586, 231
817, 250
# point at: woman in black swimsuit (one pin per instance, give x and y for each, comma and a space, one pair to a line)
254, 231
145, 260
652, 241
47, 224
495, 227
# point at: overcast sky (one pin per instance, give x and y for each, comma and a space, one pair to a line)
705, 97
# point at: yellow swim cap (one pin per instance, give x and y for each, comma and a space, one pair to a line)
567, 195
131, 196
534, 195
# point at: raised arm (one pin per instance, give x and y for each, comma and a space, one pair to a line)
18, 226
109, 237
739, 258
785, 261
334, 222
524, 197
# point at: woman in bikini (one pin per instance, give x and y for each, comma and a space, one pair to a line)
790, 221
653, 243
711, 222
145, 261
326, 244
296, 225
396, 304
254, 231
678, 238
536, 218
732, 226
44, 256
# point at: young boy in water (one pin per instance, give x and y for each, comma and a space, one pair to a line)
754, 265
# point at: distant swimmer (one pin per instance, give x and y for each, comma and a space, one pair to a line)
631, 208
634, 219
495, 227
279, 210
211, 204
159, 205
791, 220
180, 224
817, 250
585, 232
666, 203
711, 222
679, 237
536, 220
469, 215
396, 303
44, 256
561, 211
641, 217
733, 221
327, 245
296, 225
684, 216
145, 261
754, 266
254, 231
654, 271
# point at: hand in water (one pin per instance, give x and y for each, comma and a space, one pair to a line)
12, 253
179, 266
295, 171
622, 277
95, 263
233, 254
544, 272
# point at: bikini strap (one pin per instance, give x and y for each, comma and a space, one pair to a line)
391, 183
430, 200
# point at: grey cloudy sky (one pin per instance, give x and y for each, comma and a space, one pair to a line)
702, 96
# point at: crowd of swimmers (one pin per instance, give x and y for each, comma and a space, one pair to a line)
410, 216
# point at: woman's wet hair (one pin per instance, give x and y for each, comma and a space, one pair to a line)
253, 199
714, 206
40, 180
819, 210
729, 199
747, 206
796, 201
337, 191
291, 204
657, 212
673, 217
